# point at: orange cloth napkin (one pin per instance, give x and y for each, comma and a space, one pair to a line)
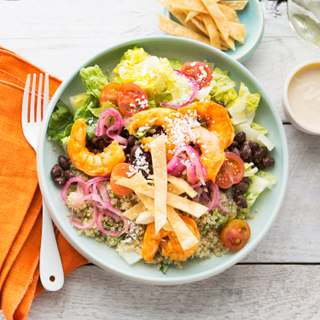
20, 197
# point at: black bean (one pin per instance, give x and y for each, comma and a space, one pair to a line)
246, 180
102, 144
147, 155
60, 181
245, 152
240, 187
124, 133
248, 143
64, 162
132, 153
240, 137
268, 162
251, 158
240, 200
56, 171
261, 166
236, 151
254, 147
69, 174
261, 153
234, 144
131, 141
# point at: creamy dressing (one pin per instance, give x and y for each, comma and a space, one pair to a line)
304, 96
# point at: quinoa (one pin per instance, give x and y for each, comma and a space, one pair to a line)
209, 225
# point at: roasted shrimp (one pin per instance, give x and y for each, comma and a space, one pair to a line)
217, 118
100, 164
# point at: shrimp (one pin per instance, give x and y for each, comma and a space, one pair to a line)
168, 242
172, 247
95, 165
218, 120
212, 151
173, 122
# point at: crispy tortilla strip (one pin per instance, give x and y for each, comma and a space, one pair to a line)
200, 25
229, 13
238, 32
145, 217
191, 15
185, 236
235, 5
176, 29
189, 5
218, 17
195, 209
228, 43
223, 48
159, 162
183, 185
212, 30
134, 212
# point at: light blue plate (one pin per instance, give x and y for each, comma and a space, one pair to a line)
252, 17
268, 203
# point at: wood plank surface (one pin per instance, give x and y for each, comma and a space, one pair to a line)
260, 292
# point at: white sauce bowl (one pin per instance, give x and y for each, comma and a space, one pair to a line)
296, 122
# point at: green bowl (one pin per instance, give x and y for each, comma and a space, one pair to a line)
196, 269
252, 17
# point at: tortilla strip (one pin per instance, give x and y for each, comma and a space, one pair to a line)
145, 217
134, 212
185, 236
218, 17
228, 43
189, 5
183, 185
176, 29
238, 32
191, 15
194, 208
212, 30
229, 13
159, 162
235, 5
200, 25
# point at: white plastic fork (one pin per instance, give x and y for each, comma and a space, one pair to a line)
51, 271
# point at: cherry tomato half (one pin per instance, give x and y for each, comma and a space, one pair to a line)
199, 71
131, 99
231, 171
235, 234
109, 93
119, 171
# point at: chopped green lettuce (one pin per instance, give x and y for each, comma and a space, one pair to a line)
223, 88
61, 122
78, 101
175, 64
258, 128
64, 144
260, 181
248, 170
94, 80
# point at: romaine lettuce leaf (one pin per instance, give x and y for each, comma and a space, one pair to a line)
78, 101
175, 64
248, 170
94, 80
61, 122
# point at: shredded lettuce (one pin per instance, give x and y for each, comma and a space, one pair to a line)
258, 128
175, 64
61, 122
249, 171
78, 101
94, 80
64, 144
223, 88
260, 181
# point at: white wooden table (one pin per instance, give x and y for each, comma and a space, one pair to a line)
279, 279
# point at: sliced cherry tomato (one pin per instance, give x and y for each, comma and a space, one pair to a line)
231, 171
119, 171
199, 71
235, 234
109, 93
131, 99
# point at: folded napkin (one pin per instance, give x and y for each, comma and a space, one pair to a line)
20, 197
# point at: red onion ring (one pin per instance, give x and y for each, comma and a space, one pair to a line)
193, 87
67, 185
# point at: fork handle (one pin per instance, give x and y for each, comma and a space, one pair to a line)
51, 271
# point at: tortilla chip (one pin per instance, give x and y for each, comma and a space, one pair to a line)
193, 208
159, 163
185, 236
228, 43
191, 15
235, 5
218, 17
229, 13
134, 212
145, 217
238, 32
183, 185
176, 29
189, 5
212, 30
199, 24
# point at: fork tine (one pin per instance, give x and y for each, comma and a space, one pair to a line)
38, 118
25, 102
46, 93
32, 99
